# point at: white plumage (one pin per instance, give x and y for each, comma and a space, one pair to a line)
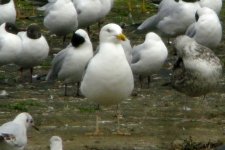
108, 78
149, 57
207, 29
8, 12
91, 11
10, 44
13, 134
60, 17
34, 49
173, 18
56, 143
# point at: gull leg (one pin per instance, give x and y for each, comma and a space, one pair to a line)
65, 90
118, 130
31, 74
97, 131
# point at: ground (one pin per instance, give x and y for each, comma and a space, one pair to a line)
154, 117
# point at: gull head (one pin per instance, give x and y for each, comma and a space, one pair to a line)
25, 119
112, 33
34, 31
80, 37
152, 36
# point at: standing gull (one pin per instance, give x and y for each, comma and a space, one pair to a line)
108, 78
69, 64
34, 49
13, 134
149, 57
60, 17
197, 70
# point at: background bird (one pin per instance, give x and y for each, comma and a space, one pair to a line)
148, 57
35, 49
207, 29
10, 43
60, 17
8, 11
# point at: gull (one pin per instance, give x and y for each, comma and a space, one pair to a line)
173, 17
56, 143
35, 49
87, 15
207, 29
108, 78
69, 64
197, 70
149, 57
10, 43
8, 11
60, 17
13, 134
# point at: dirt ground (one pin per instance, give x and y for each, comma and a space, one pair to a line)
154, 116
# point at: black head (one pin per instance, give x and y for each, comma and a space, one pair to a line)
77, 40
34, 31
2, 2
196, 16
10, 27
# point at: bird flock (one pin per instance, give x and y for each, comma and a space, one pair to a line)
106, 75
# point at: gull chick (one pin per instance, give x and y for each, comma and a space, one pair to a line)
13, 134
69, 64
108, 78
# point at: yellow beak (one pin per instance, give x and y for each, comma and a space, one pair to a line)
121, 37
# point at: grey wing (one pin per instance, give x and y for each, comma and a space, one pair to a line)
136, 53
167, 8
149, 24
56, 65
191, 30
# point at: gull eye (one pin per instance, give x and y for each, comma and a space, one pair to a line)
31, 121
109, 30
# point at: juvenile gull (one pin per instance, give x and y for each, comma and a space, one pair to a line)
108, 78
197, 70
69, 64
